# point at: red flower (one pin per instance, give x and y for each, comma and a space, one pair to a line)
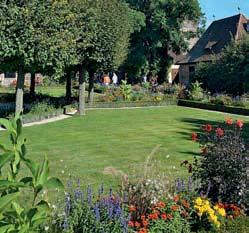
132, 208
229, 121
131, 224
239, 123
164, 216
219, 132
208, 128
143, 217
194, 137
153, 216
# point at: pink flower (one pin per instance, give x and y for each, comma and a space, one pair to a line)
239, 123
219, 132
208, 128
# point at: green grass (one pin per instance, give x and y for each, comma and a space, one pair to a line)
83, 147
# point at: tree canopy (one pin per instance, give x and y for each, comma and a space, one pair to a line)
161, 34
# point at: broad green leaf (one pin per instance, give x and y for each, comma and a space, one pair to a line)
17, 208
5, 158
7, 125
7, 199
6, 184
33, 167
44, 172
54, 183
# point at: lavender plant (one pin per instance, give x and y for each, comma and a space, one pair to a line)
91, 212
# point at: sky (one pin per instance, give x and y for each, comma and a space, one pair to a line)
223, 8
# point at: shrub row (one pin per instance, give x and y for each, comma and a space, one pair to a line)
214, 107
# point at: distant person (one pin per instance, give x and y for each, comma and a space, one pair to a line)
145, 78
115, 79
106, 80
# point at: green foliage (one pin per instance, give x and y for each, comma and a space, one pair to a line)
230, 72
126, 90
15, 217
196, 92
176, 225
240, 225
161, 34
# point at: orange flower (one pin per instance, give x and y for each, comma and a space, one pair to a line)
194, 137
229, 121
174, 207
137, 224
132, 208
153, 216
131, 224
143, 230
239, 123
145, 223
176, 198
164, 216
185, 204
161, 204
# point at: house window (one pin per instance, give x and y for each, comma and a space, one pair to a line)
191, 71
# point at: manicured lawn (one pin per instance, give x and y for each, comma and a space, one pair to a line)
82, 147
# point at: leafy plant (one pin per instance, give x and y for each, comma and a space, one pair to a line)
196, 92
222, 168
15, 217
126, 90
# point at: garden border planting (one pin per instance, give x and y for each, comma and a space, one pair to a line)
213, 107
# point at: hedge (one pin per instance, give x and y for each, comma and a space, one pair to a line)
213, 107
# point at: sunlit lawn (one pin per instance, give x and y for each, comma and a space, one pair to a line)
82, 147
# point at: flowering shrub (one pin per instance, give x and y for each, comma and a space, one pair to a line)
222, 169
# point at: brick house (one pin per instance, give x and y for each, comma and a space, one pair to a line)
218, 35
10, 79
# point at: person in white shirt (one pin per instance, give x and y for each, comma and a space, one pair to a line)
114, 79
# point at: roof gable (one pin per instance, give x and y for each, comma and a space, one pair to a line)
218, 35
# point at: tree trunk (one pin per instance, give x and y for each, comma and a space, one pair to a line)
32, 84
68, 86
82, 87
19, 90
91, 88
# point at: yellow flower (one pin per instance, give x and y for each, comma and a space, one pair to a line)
222, 212
216, 207
198, 201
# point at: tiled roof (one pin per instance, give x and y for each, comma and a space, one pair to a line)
218, 35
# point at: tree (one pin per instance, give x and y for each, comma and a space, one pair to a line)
229, 72
104, 32
35, 36
162, 34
